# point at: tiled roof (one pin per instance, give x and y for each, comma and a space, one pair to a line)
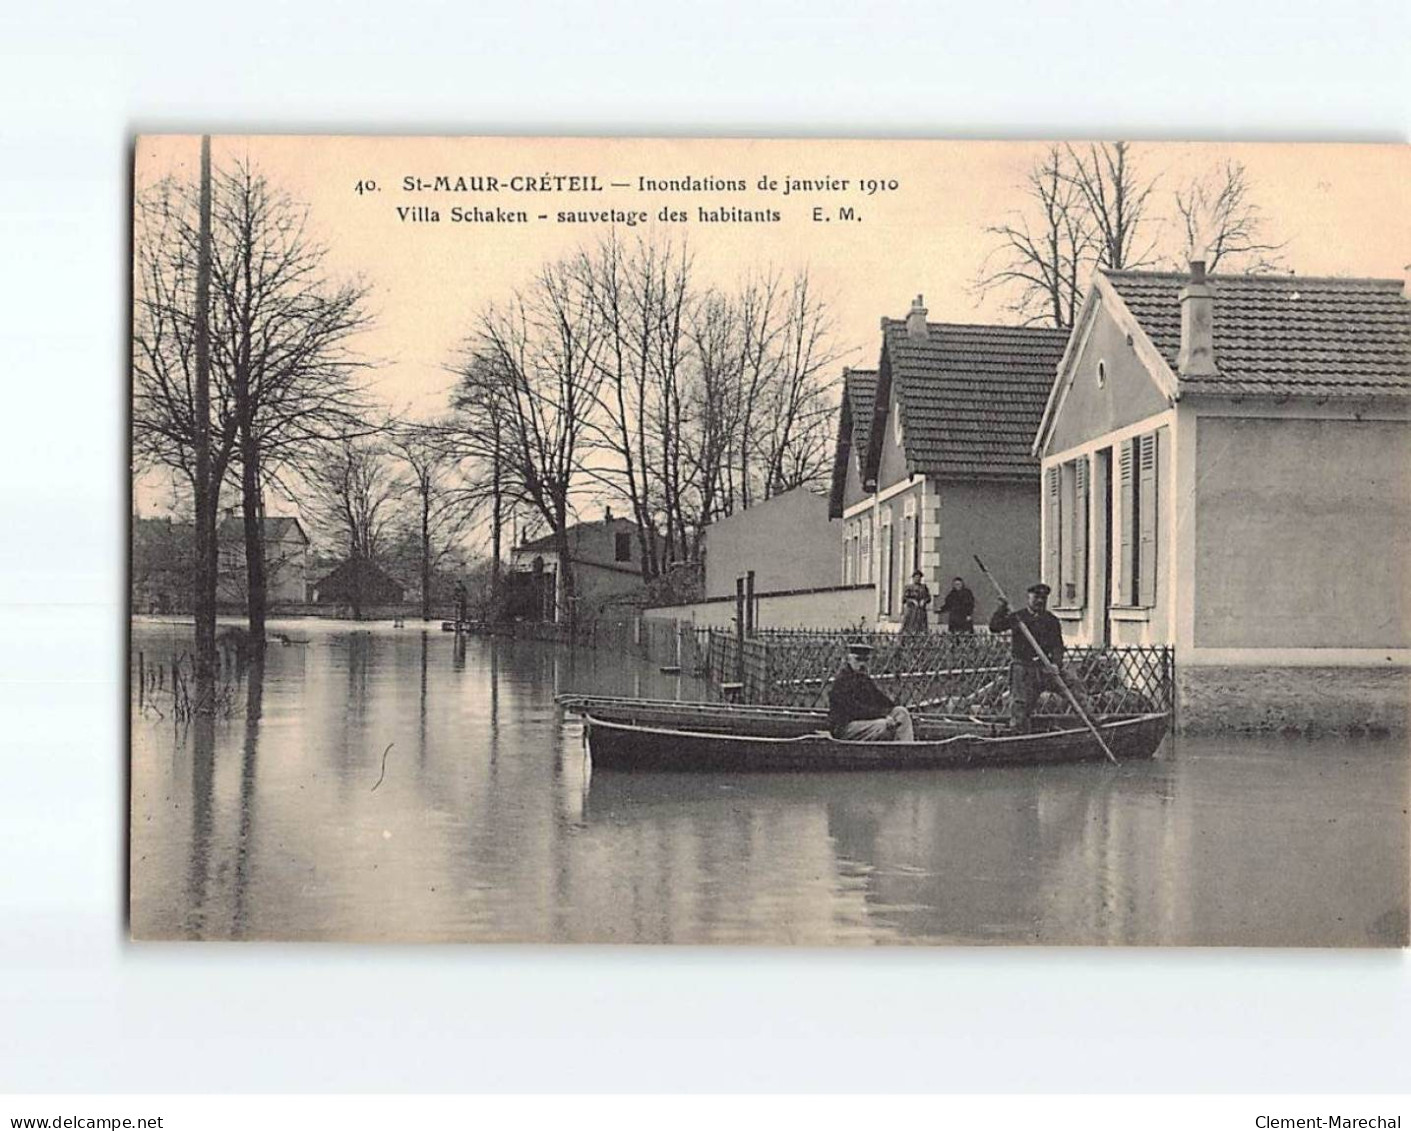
576, 531
1285, 335
971, 397
860, 387
854, 428
277, 528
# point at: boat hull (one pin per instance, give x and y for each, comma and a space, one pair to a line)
618, 745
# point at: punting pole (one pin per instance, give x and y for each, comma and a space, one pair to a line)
1049, 665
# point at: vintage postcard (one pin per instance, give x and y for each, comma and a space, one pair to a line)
770, 542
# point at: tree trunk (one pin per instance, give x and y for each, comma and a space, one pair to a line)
205, 492
255, 582
426, 553
355, 562
497, 506
566, 579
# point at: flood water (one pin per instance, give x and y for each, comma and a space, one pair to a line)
382, 784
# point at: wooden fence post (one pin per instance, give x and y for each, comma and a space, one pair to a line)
739, 629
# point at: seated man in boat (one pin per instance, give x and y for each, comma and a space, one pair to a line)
858, 709
1028, 675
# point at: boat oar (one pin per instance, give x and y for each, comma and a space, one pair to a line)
1048, 664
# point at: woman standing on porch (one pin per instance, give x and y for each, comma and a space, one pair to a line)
915, 600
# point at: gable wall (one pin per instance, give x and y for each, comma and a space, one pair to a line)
1127, 395
891, 467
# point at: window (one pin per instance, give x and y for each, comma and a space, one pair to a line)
622, 547
865, 552
1077, 589
908, 544
1066, 532
887, 563
1138, 464
1053, 527
847, 554
1146, 520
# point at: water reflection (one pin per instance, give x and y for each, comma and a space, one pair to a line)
279, 821
254, 700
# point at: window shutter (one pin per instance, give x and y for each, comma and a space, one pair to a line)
1127, 499
1146, 517
1080, 535
1054, 536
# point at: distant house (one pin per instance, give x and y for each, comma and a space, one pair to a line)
933, 463
163, 577
286, 560
358, 584
607, 563
787, 541
1226, 464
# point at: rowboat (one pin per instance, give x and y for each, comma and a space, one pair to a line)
727, 718
660, 735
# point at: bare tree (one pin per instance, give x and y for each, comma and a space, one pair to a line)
475, 435
1043, 252
544, 346
794, 442
1221, 223
640, 293
714, 409
283, 380
1117, 198
181, 419
351, 497
443, 507
282, 331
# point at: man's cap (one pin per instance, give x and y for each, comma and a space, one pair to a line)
859, 648
1040, 589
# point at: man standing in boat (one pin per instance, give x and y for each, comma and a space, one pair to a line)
858, 709
1028, 675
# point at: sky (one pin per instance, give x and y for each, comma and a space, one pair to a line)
1343, 210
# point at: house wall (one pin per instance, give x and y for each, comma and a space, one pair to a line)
1126, 625
835, 607
891, 463
286, 573
1000, 523
597, 573
1127, 395
891, 567
788, 541
852, 486
594, 582
1303, 533
597, 542
1286, 697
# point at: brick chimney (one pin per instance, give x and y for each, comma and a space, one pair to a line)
607, 516
1197, 354
916, 321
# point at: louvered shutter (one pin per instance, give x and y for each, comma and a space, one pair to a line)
1146, 516
1080, 535
1127, 498
1052, 532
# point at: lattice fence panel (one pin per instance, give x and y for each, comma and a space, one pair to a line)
958, 673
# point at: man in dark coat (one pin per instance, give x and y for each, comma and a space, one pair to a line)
1028, 675
858, 709
959, 607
